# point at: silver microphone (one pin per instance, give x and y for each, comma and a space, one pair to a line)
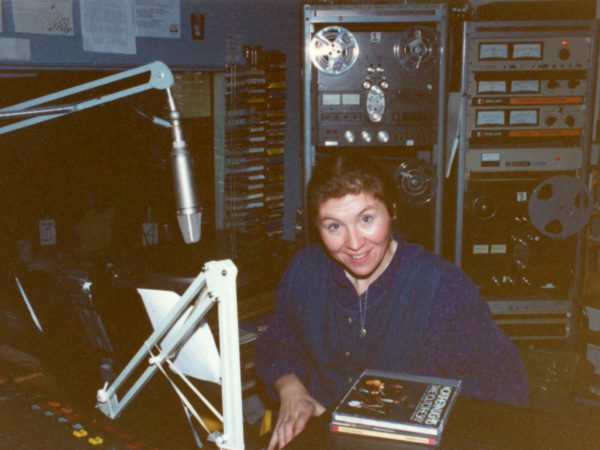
189, 213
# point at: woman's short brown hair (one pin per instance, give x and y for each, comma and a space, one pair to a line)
343, 174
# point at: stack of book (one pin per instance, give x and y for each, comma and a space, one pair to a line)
398, 406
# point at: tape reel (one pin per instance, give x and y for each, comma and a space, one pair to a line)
560, 206
334, 50
484, 207
414, 177
417, 47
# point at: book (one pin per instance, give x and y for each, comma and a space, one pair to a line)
385, 402
404, 436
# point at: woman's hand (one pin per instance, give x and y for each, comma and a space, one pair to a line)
297, 407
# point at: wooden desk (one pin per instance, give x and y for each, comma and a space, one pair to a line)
475, 424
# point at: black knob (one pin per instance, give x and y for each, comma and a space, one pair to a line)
570, 121
550, 120
564, 53
553, 84
573, 84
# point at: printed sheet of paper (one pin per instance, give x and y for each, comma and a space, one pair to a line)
15, 48
157, 18
199, 357
107, 26
43, 16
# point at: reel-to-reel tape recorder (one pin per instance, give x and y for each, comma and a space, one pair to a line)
374, 83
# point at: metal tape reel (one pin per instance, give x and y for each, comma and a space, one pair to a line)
333, 50
415, 178
484, 207
560, 206
417, 47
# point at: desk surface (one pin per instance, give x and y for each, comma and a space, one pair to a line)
475, 424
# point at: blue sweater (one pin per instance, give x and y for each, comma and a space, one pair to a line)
423, 316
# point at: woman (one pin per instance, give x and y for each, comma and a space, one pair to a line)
365, 298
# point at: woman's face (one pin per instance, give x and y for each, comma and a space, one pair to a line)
356, 231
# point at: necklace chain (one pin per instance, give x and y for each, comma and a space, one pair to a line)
362, 312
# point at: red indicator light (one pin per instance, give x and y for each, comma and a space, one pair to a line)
557, 158
565, 42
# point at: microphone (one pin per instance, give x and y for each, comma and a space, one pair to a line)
189, 213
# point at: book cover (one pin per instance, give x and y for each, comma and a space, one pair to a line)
403, 436
392, 401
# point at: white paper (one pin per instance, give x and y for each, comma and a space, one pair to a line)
43, 16
199, 357
107, 26
15, 48
157, 18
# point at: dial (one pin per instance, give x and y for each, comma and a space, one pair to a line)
349, 136
383, 136
375, 104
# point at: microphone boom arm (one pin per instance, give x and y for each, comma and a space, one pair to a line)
160, 77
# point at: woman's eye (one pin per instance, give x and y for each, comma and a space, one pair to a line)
333, 227
367, 219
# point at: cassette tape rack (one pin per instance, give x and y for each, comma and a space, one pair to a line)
254, 144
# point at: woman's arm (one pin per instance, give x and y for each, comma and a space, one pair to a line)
463, 341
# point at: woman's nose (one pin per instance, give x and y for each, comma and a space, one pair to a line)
354, 239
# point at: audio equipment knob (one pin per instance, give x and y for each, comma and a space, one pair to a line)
383, 136
526, 281
550, 120
384, 84
366, 84
570, 121
553, 84
564, 53
349, 137
366, 136
573, 84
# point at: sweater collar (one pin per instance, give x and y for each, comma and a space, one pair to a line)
382, 282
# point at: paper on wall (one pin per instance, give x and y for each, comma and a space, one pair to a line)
15, 48
43, 16
107, 26
157, 18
